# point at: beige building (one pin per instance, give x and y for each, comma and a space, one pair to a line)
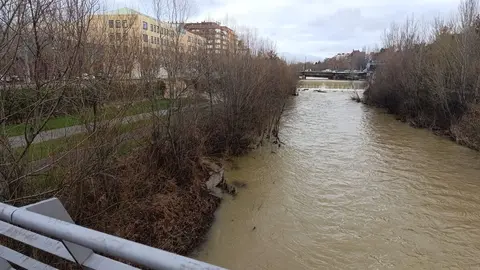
125, 23
133, 30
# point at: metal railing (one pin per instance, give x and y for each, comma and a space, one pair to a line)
48, 227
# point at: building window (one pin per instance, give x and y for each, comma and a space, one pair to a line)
118, 36
145, 38
209, 46
217, 40
145, 26
111, 37
209, 41
124, 24
151, 39
125, 36
217, 30
151, 27
217, 46
118, 24
111, 23
189, 38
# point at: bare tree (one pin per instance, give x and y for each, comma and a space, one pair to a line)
49, 38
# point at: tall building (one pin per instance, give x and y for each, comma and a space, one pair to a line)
131, 31
132, 27
219, 38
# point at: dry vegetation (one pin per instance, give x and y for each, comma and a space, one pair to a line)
147, 183
430, 75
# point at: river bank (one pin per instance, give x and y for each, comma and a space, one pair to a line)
463, 129
161, 212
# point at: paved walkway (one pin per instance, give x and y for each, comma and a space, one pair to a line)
19, 141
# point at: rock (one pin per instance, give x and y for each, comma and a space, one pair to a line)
216, 183
210, 165
215, 179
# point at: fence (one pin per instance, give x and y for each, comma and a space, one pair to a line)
48, 227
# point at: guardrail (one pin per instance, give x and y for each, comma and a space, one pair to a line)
47, 226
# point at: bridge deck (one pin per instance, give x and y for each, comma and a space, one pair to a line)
334, 75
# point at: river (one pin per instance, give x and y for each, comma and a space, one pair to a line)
352, 188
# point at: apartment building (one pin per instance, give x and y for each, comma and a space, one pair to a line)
219, 38
134, 28
131, 31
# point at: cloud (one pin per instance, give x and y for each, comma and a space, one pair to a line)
312, 28
321, 28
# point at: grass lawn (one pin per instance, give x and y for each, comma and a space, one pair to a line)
57, 122
109, 112
135, 108
50, 148
49, 181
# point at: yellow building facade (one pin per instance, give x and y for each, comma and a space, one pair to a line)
133, 30
127, 24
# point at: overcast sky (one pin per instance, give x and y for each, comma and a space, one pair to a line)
312, 28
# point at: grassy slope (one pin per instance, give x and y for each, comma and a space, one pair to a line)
108, 113
52, 147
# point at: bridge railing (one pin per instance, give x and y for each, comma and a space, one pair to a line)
48, 227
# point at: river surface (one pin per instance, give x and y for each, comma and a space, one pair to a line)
352, 188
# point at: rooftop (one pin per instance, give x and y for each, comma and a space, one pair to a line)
124, 11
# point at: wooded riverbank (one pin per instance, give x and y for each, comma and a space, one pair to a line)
430, 78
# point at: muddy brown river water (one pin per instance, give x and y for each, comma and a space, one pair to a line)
352, 188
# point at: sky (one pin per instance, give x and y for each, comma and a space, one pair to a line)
312, 28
